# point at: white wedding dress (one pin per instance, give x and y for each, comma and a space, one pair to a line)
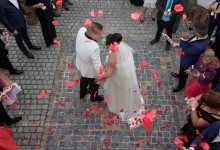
122, 90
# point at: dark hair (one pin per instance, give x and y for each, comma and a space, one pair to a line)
95, 28
201, 28
211, 99
111, 38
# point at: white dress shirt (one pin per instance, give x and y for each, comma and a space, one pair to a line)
15, 3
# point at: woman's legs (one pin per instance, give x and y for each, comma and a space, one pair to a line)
196, 15
153, 13
204, 14
143, 13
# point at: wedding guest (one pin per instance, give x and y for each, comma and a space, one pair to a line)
88, 60
206, 66
215, 47
5, 119
192, 47
214, 20
44, 12
121, 70
201, 116
12, 16
202, 9
149, 4
165, 19
5, 63
178, 17
210, 135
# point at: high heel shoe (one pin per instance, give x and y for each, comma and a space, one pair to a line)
190, 28
141, 21
154, 19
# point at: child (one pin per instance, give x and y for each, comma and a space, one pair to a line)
206, 66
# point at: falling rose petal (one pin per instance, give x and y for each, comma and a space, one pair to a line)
178, 142
147, 123
144, 112
72, 102
193, 145
122, 110
87, 109
141, 141
144, 64
159, 83
105, 99
37, 148
152, 115
178, 8
131, 129
184, 17
101, 70
181, 52
95, 93
92, 13
100, 13
87, 22
55, 22
68, 65
154, 75
185, 138
113, 46
14, 105
92, 147
61, 103
136, 15
61, 142
59, 2
99, 111
42, 94
5, 98
77, 81
35, 123
138, 69
112, 119
70, 83
82, 142
143, 104
205, 145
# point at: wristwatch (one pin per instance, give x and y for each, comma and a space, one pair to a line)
193, 109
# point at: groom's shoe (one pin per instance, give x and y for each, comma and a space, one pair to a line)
83, 95
98, 99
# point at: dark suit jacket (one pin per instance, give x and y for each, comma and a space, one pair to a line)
192, 51
12, 17
161, 6
208, 135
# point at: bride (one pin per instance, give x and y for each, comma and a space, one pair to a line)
121, 88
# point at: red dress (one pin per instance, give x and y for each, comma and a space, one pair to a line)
194, 89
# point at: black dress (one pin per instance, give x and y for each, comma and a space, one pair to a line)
45, 17
190, 131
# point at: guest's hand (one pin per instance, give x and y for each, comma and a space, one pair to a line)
214, 6
169, 14
176, 45
193, 103
187, 71
196, 74
217, 11
40, 5
185, 35
15, 32
165, 14
98, 80
7, 47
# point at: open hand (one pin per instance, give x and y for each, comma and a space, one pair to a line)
187, 71
98, 80
7, 47
40, 5
15, 32
165, 14
176, 45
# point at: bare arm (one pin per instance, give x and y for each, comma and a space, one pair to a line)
111, 67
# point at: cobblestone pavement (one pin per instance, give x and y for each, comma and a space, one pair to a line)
69, 126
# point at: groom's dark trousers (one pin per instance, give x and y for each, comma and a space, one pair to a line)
93, 87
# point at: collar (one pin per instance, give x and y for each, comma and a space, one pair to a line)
89, 37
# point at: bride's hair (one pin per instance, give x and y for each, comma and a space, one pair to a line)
111, 38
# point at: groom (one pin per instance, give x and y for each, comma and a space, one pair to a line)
88, 60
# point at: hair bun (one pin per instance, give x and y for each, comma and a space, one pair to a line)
111, 38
